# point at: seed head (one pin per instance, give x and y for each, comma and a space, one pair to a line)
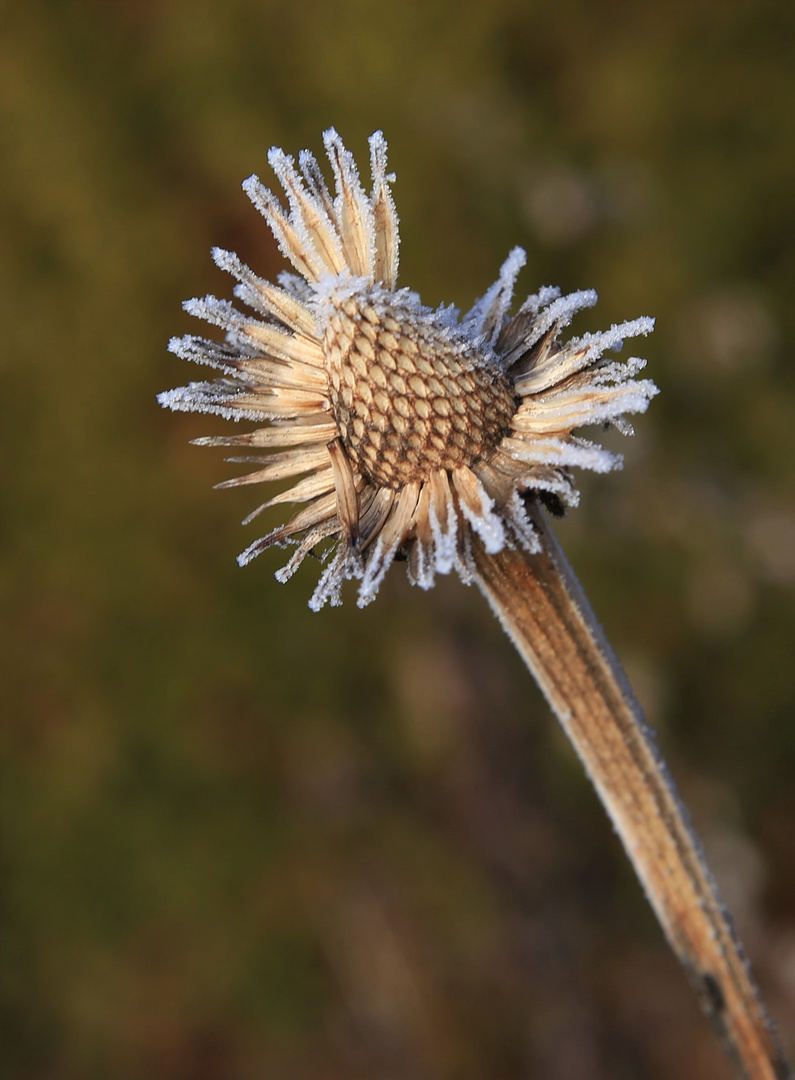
406, 402
410, 427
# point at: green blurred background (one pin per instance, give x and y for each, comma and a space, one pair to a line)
245, 841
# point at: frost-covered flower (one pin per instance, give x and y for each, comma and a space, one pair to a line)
411, 428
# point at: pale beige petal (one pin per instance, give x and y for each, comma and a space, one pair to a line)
345, 486
385, 219
285, 346
375, 507
320, 509
281, 466
319, 483
311, 538
354, 212
275, 402
316, 183
307, 214
315, 515
477, 507
269, 299
292, 244
275, 435
402, 517
578, 407
284, 374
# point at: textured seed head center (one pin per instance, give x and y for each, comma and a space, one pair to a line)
406, 401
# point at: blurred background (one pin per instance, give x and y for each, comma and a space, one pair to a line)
244, 841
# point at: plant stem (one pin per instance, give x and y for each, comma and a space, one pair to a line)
543, 608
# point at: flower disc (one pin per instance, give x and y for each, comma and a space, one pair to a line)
407, 396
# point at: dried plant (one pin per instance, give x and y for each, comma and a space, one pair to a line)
438, 438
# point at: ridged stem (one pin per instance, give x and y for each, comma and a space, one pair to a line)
543, 608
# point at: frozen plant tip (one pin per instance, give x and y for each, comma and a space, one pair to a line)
412, 428
439, 438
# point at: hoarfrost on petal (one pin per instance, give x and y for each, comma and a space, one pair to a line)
465, 563
329, 588
229, 262
378, 562
563, 310
260, 545
203, 351
445, 537
538, 301
214, 311
378, 159
487, 314
640, 327
541, 313
521, 526
215, 398
486, 523
421, 567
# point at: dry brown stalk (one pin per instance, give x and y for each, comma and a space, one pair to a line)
543, 608
421, 433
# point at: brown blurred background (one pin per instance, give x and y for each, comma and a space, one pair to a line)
242, 841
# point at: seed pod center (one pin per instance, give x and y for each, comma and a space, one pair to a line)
408, 397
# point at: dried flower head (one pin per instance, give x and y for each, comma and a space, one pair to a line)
410, 427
